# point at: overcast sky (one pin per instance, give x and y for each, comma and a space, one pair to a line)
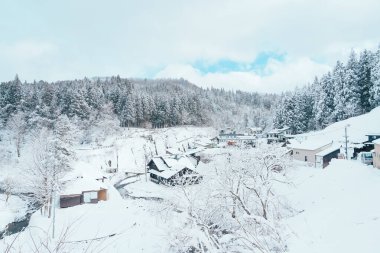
265, 46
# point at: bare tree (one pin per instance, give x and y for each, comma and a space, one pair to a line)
237, 208
8, 185
17, 126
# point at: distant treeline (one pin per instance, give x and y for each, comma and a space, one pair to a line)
134, 102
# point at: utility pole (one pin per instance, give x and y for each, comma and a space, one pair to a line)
53, 214
346, 140
145, 163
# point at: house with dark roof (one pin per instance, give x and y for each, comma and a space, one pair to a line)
173, 170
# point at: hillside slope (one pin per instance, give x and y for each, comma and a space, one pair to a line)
357, 128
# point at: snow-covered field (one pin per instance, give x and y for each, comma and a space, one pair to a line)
339, 206
336, 209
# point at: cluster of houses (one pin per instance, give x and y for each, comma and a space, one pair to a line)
182, 167
230, 137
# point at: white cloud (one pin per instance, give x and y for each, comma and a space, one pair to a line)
281, 76
131, 38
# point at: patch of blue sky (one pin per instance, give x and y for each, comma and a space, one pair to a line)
227, 65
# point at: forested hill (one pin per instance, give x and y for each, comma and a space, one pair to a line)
132, 102
349, 90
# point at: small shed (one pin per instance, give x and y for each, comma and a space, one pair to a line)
323, 158
70, 200
82, 190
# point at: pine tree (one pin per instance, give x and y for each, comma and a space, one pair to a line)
351, 91
365, 83
375, 80
339, 92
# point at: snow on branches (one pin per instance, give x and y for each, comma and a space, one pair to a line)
236, 208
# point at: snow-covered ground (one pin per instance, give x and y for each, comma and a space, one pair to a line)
337, 208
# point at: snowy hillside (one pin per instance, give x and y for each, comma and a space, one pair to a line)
357, 128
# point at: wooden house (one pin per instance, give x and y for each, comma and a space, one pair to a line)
81, 191
173, 170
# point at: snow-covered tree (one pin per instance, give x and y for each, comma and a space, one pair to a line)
8, 185
52, 157
17, 127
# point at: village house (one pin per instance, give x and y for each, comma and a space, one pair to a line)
172, 170
81, 191
315, 152
376, 154
278, 135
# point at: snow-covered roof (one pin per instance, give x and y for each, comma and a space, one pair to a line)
80, 185
310, 144
170, 165
328, 150
160, 163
